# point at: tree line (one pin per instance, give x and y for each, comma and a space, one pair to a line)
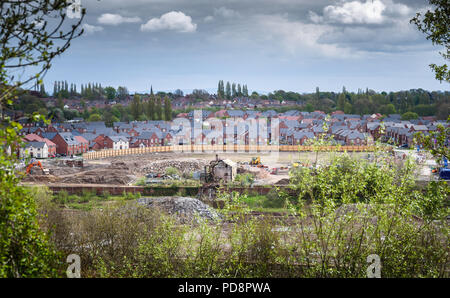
416, 102
232, 90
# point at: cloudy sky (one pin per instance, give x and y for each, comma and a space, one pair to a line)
292, 45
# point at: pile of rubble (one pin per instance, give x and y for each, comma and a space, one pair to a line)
259, 173
101, 176
185, 209
184, 166
119, 165
41, 178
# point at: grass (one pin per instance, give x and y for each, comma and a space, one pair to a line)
265, 203
89, 200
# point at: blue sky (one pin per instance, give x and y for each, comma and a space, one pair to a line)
294, 45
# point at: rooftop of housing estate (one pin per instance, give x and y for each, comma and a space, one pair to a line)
225, 127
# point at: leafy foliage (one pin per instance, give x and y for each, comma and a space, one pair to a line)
31, 35
435, 24
437, 142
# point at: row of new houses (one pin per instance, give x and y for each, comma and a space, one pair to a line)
222, 127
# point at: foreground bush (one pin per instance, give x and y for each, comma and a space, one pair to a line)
345, 211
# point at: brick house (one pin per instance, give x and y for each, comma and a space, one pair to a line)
66, 144
84, 144
101, 142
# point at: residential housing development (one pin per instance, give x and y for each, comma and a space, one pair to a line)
222, 127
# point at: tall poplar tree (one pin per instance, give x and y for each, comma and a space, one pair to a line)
159, 108
136, 107
167, 109
228, 91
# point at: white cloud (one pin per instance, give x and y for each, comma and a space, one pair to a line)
174, 20
226, 12
277, 36
208, 19
397, 8
116, 19
356, 12
299, 38
91, 29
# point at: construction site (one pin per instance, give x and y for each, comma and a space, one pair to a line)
196, 168
267, 169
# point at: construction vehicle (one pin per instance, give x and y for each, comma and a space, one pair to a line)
256, 161
31, 168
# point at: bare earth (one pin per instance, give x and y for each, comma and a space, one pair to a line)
126, 170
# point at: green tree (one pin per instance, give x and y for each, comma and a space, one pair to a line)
220, 89
245, 90
150, 108
228, 91
122, 92
436, 141
167, 109
159, 108
233, 90
341, 102
110, 93
136, 107
60, 102
32, 33
95, 117
348, 108
435, 24
42, 90
388, 109
409, 116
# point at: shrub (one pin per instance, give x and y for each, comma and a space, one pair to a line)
273, 200
141, 181
246, 179
172, 171
62, 197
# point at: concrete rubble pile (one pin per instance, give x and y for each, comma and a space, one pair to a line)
185, 209
184, 166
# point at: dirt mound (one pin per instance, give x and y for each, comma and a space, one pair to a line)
108, 176
119, 165
185, 209
284, 181
41, 178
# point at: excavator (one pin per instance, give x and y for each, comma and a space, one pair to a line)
255, 161
36, 164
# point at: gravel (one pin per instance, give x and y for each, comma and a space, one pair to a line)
184, 166
185, 209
